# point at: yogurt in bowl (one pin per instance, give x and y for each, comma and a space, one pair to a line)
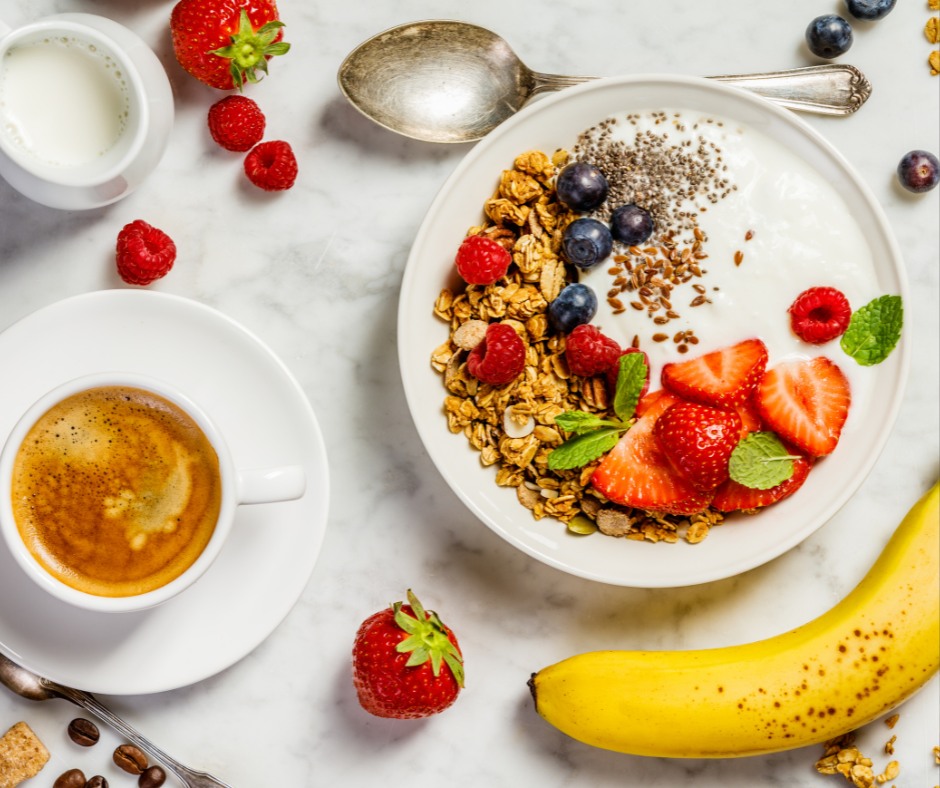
761, 226
813, 216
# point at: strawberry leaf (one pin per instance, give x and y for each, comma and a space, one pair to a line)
874, 330
427, 639
761, 461
631, 377
582, 449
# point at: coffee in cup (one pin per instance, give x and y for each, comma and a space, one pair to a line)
116, 491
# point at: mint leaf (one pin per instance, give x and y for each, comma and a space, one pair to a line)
631, 378
874, 330
760, 461
582, 449
579, 422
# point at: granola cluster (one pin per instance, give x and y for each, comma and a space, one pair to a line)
513, 426
843, 757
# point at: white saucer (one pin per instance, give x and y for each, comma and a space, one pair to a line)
271, 552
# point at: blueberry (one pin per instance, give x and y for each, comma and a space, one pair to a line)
869, 9
919, 171
581, 186
631, 224
829, 36
586, 242
575, 305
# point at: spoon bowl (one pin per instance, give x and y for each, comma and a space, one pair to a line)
449, 81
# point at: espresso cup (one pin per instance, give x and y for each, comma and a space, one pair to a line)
85, 109
118, 491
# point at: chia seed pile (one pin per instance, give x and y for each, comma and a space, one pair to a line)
675, 182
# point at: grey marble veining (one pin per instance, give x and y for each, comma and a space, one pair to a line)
315, 273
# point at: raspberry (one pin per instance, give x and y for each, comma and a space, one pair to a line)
481, 261
499, 358
144, 253
236, 123
271, 166
589, 352
819, 315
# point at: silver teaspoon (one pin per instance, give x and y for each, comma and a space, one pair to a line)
447, 81
32, 687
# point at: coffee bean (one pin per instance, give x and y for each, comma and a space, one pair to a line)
130, 759
73, 778
154, 777
83, 732
97, 782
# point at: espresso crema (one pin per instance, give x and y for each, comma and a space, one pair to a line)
116, 491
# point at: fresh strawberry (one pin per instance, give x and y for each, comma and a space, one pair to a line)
731, 496
750, 418
271, 166
722, 378
225, 43
236, 123
144, 253
820, 314
406, 662
806, 403
637, 474
590, 352
698, 441
481, 261
648, 400
614, 369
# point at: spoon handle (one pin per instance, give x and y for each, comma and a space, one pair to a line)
189, 777
828, 89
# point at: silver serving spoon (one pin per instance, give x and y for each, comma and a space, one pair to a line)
446, 81
32, 687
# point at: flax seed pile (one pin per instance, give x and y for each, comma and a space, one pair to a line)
513, 426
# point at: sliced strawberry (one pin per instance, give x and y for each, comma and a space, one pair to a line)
806, 403
722, 378
636, 473
731, 496
698, 440
648, 400
750, 418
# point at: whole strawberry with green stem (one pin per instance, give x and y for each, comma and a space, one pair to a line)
226, 43
406, 662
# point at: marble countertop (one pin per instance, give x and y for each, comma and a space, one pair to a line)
315, 273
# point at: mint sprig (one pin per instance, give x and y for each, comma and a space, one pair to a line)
874, 330
594, 436
761, 461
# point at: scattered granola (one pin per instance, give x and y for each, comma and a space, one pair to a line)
526, 218
843, 757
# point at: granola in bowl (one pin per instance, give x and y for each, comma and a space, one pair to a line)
513, 426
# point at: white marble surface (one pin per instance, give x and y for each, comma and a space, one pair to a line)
315, 273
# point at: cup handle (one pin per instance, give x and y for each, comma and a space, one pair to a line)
267, 485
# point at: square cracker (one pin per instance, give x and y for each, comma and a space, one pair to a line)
22, 755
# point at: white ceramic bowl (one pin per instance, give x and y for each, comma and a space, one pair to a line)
741, 543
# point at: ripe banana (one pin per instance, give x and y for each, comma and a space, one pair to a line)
844, 669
